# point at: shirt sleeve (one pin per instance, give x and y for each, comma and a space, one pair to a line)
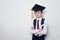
44, 31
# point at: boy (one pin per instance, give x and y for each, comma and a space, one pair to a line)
39, 27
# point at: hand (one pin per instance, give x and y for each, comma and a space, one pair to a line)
32, 28
40, 30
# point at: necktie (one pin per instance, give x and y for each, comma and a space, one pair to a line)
37, 24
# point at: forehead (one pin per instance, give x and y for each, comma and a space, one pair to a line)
38, 12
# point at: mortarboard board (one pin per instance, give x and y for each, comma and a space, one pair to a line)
37, 7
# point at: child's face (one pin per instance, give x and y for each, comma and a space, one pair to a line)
38, 14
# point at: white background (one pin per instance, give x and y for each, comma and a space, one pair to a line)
15, 19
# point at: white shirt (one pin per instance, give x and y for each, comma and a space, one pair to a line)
44, 31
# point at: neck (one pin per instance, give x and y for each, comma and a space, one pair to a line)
39, 17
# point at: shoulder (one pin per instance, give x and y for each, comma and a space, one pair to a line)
34, 19
45, 20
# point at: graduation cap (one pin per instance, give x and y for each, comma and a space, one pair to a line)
37, 7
